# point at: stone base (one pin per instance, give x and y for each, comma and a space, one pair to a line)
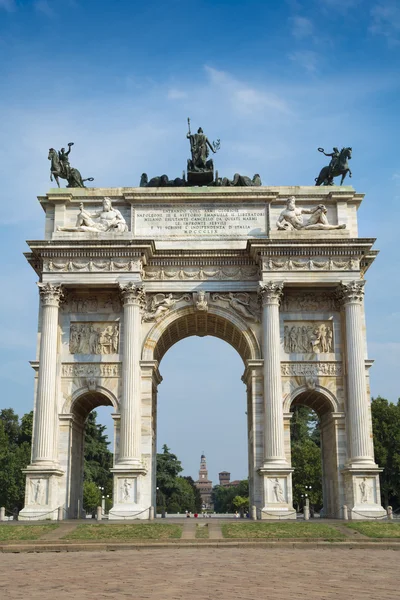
362, 493
41, 494
278, 503
127, 494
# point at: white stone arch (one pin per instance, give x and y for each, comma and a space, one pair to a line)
72, 401
330, 398
224, 324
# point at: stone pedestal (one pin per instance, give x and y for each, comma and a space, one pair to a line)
127, 495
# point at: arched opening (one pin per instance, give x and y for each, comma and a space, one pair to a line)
93, 471
202, 399
316, 427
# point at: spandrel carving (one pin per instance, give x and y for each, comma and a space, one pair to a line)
308, 337
94, 338
158, 304
242, 303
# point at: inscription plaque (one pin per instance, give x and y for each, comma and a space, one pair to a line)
192, 220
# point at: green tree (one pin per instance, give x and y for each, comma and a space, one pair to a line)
168, 469
241, 503
182, 498
15, 451
386, 428
223, 496
197, 496
91, 496
306, 457
98, 458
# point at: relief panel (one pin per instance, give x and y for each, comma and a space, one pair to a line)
94, 338
308, 337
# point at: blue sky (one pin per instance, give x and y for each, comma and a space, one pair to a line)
272, 80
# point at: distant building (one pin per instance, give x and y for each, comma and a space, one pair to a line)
224, 479
204, 484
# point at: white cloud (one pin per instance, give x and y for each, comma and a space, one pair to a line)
176, 94
307, 59
385, 20
301, 27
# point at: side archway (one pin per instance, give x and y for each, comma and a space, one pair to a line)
332, 440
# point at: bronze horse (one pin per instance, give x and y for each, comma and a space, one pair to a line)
340, 168
72, 175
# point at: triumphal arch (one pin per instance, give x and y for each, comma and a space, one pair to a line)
277, 272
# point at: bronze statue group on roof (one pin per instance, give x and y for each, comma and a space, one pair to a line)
200, 168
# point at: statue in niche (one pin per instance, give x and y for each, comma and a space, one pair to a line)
161, 303
201, 301
364, 490
37, 491
108, 219
338, 166
309, 339
60, 167
126, 490
278, 491
239, 302
291, 217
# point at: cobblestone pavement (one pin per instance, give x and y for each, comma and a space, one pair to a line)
194, 574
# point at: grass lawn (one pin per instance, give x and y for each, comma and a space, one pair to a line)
144, 531
280, 530
24, 532
375, 529
201, 531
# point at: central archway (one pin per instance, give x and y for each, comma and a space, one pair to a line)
229, 327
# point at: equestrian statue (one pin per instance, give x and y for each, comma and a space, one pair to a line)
60, 167
338, 166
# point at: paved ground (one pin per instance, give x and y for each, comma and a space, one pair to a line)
206, 574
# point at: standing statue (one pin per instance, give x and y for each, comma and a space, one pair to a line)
200, 167
60, 167
338, 166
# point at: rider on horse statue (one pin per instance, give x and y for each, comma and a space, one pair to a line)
337, 166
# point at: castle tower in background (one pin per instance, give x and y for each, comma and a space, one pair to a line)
224, 478
204, 484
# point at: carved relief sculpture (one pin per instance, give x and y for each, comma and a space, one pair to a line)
126, 490
36, 491
308, 337
291, 217
108, 219
364, 490
94, 338
200, 301
278, 491
241, 303
91, 370
309, 301
311, 369
160, 303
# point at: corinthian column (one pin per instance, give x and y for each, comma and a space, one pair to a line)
351, 296
46, 409
274, 452
130, 438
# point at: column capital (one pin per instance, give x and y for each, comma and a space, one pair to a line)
350, 292
270, 292
51, 294
132, 294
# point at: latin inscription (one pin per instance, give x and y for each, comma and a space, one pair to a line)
205, 220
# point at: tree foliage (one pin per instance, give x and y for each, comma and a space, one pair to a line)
174, 493
98, 458
306, 457
223, 496
15, 454
386, 428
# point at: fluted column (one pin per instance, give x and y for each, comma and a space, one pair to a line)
130, 432
351, 296
46, 409
274, 450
